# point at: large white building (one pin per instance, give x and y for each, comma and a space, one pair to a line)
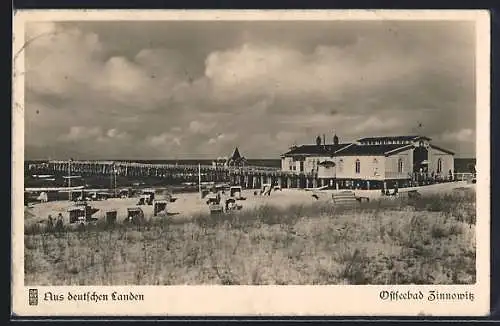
370, 163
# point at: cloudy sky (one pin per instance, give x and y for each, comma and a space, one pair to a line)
172, 90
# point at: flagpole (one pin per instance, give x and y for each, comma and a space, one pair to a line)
69, 180
113, 179
199, 178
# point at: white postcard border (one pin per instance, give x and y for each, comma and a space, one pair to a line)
258, 300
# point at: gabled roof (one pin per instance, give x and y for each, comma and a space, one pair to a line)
442, 149
371, 149
236, 158
328, 149
353, 149
236, 154
393, 138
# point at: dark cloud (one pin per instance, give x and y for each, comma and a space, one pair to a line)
198, 89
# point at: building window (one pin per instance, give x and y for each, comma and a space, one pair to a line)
358, 166
341, 165
301, 166
375, 167
400, 166
440, 166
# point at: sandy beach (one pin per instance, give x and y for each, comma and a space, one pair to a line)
190, 204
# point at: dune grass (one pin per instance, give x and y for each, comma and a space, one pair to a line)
430, 240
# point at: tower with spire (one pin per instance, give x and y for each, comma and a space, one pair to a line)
236, 160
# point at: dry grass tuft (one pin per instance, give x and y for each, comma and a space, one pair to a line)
430, 240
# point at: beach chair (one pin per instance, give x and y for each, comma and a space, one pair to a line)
111, 217
135, 215
76, 215
82, 213
215, 207
235, 192
232, 205
160, 206
213, 202
124, 193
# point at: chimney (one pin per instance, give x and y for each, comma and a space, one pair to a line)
318, 141
335, 139
324, 139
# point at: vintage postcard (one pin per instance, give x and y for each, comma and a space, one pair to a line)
221, 163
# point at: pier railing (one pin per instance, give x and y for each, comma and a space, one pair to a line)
150, 169
247, 176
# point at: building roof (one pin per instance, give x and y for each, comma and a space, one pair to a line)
236, 158
352, 149
328, 149
442, 149
372, 149
393, 138
236, 154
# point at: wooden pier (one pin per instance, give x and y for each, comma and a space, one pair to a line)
249, 177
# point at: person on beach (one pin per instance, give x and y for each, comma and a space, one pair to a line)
59, 223
50, 224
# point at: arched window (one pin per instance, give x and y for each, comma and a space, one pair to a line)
358, 166
400, 166
440, 166
341, 165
